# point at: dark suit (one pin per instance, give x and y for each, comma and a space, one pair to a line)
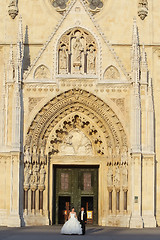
82, 222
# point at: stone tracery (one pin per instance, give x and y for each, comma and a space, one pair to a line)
77, 52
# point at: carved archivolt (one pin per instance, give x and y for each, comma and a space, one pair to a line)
77, 52
42, 72
111, 73
101, 127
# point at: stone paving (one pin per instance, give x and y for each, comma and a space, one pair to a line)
92, 233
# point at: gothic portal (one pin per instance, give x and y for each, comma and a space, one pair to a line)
78, 126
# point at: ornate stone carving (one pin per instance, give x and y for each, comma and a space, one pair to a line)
35, 175
110, 176
33, 102
42, 72
13, 8
63, 60
42, 175
111, 73
124, 176
27, 175
70, 138
120, 102
76, 143
117, 177
60, 5
143, 9
27, 155
77, 52
85, 103
95, 5
91, 60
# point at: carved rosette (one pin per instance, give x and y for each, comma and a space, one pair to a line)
143, 9
95, 5
13, 8
60, 5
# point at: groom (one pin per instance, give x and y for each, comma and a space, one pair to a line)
83, 219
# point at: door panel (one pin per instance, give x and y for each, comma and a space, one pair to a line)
78, 186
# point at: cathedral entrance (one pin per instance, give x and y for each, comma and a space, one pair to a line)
75, 186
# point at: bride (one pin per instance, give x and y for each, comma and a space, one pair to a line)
72, 226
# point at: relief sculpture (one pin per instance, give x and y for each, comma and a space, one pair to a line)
77, 52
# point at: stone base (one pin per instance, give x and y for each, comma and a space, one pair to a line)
149, 221
116, 221
3, 218
14, 221
35, 220
136, 222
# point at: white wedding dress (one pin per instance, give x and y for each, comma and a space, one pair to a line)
72, 226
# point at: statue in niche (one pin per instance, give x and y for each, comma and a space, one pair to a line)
42, 72
117, 176
110, 177
77, 52
42, 175
124, 155
111, 73
27, 174
35, 175
76, 143
125, 176
91, 58
63, 60
27, 155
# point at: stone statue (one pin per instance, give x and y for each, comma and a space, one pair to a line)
125, 176
27, 174
117, 176
27, 156
35, 175
91, 60
124, 156
34, 155
110, 176
63, 60
42, 175
77, 52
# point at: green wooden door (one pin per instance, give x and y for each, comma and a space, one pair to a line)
75, 186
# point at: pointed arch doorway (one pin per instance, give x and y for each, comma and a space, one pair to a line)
76, 131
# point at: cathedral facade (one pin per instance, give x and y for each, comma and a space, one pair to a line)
79, 115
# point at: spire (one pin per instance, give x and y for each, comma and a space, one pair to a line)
17, 101
20, 49
11, 67
150, 116
136, 98
135, 57
2, 112
144, 67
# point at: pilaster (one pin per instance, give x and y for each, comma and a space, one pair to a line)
136, 220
